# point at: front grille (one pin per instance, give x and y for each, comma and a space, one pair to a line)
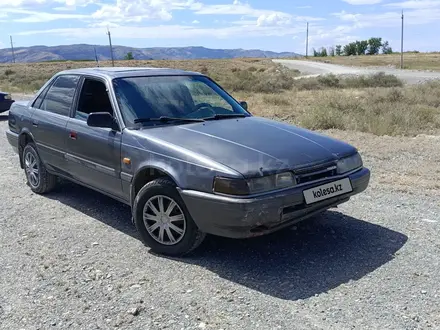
316, 173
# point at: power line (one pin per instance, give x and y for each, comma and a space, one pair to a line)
401, 44
111, 48
12, 48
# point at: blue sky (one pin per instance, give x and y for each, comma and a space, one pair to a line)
277, 25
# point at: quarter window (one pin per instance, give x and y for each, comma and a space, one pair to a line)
39, 99
60, 96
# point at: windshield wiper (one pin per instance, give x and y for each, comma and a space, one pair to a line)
226, 115
165, 119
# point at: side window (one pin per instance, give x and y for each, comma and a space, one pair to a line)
93, 98
60, 96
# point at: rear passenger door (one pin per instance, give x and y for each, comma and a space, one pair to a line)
49, 120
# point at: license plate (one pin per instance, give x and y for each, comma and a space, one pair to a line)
327, 191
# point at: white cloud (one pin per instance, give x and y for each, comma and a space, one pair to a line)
21, 3
38, 17
195, 22
391, 19
236, 8
413, 4
135, 10
362, 2
171, 32
274, 19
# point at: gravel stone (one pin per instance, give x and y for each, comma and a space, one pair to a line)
361, 266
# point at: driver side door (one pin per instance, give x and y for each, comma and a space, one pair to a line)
94, 152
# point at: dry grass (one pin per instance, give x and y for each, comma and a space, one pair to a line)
413, 61
237, 74
378, 104
382, 111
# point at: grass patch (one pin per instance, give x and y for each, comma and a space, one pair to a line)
272, 80
391, 111
332, 81
257, 75
413, 61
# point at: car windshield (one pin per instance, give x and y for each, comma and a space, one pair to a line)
184, 97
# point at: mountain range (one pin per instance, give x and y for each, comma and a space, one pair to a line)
87, 52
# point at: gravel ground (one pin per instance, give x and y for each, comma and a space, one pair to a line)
73, 260
312, 69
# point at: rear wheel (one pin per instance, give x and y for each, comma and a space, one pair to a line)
39, 180
163, 221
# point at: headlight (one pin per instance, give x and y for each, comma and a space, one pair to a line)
253, 186
349, 163
7, 97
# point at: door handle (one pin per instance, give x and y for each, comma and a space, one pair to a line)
72, 135
35, 123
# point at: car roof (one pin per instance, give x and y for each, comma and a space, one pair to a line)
120, 72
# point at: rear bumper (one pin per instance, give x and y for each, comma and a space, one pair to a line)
13, 140
5, 105
241, 217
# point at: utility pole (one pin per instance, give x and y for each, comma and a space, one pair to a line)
307, 41
111, 48
96, 57
12, 48
401, 44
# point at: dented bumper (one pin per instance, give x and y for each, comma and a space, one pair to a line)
248, 217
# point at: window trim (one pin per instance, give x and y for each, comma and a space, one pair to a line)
234, 100
50, 85
43, 92
78, 96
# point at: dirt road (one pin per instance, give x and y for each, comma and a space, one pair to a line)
311, 68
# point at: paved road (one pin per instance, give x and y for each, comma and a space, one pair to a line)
311, 68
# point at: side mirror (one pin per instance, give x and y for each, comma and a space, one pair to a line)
101, 119
244, 105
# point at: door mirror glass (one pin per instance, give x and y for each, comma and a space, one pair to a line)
244, 105
101, 119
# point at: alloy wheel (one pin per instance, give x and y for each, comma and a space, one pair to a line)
164, 220
32, 169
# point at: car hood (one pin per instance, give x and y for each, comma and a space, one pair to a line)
251, 146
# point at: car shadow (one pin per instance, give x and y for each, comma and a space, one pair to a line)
313, 257
310, 258
95, 205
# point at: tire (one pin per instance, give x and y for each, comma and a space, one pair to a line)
188, 238
45, 182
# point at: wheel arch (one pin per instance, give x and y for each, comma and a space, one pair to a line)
147, 174
24, 138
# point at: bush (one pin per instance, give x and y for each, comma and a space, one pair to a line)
332, 81
276, 99
375, 80
379, 111
9, 72
269, 81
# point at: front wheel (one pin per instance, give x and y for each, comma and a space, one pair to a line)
163, 221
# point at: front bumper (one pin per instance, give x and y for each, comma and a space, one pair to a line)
248, 217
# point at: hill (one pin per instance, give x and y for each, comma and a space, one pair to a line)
87, 52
